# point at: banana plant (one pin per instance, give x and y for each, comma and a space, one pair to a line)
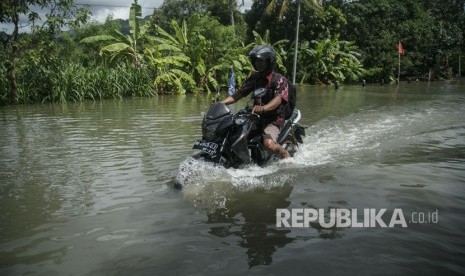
167, 56
218, 74
330, 60
179, 59
118, 45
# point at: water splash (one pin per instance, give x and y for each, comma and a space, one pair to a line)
365, 137
371, 135
209, 187
193, 172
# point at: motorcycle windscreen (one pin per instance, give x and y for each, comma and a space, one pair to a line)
214, 129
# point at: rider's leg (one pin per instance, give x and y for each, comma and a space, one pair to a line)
269, 141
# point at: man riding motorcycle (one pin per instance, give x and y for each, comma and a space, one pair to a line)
272, 106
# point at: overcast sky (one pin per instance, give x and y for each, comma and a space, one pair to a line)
102, 8
120, 8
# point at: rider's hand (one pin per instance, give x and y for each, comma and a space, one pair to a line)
258, 109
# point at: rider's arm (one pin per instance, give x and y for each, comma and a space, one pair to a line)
228, 100
272, 105
245, 90
275, 102
281, 94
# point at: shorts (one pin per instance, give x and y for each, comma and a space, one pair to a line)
271, 132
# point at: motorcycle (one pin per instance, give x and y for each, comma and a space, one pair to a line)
233, 140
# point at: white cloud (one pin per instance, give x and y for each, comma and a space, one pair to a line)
117, 13
119, 9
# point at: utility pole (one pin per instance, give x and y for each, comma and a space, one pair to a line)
231, 7
294, 67
460, 65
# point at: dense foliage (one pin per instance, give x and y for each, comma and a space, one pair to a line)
190, 46
432, 33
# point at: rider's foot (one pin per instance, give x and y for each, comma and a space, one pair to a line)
284, 154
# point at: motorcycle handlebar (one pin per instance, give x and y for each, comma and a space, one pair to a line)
248, 111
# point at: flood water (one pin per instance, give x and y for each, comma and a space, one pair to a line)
87, 189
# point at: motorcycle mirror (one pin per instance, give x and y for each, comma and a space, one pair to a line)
258, 93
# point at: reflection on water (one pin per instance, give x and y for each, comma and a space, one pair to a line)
250, 216
87, 188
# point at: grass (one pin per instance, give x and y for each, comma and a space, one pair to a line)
76, 83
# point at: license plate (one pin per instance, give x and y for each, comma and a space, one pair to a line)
207, 147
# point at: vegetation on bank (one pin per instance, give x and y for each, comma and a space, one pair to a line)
190, 46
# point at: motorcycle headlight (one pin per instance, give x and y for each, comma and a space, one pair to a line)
239, 121
208, 132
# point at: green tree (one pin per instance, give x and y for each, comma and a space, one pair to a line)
179, 10
330, 60
279, 17
282, 6
190, 60
17, 47
377, 25
87, 53
225, 11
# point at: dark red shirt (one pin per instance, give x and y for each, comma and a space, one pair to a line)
278, 87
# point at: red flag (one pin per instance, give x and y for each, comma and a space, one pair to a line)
400, 49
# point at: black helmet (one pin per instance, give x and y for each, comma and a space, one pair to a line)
265, 52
